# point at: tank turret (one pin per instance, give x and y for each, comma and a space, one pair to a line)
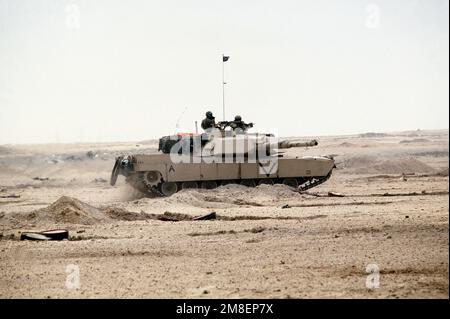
254, 145
225, 143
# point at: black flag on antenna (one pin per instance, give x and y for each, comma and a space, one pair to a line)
225, 58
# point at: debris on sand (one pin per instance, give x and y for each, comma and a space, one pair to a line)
56, 234
436, 193
285, 206
333, 194
53, 234
166, 218
33, 236
254, 230
55, 159
207, 216
41, 179
220, 232
315, 194
172, 217
176, 217
10, 196
91, 154
423, 192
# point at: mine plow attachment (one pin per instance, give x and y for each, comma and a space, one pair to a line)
116, 170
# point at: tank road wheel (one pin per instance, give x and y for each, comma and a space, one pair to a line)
248, 182
169, 188
209, 184
185, 185
291, 182
266, 181
152, 177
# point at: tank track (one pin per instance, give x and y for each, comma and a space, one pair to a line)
142, 186
153, 190
313, 183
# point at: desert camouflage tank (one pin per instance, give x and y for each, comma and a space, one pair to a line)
221, 157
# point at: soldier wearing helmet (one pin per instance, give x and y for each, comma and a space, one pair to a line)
239, 124
209, 122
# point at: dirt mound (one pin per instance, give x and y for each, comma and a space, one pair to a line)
347, 144
373, 134
371, 165
232, 195
357, 162
68, 210
416, 140
443, 172
398, 166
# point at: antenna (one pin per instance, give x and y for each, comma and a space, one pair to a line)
177, 126
224, 59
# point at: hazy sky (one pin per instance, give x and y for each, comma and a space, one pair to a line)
103, 70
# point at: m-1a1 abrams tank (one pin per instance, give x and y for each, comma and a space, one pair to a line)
220, 157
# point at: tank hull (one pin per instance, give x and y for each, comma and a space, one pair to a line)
155, 172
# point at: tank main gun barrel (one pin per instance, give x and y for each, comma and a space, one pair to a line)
287, 144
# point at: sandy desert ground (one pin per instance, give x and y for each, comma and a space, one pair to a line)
126, 246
